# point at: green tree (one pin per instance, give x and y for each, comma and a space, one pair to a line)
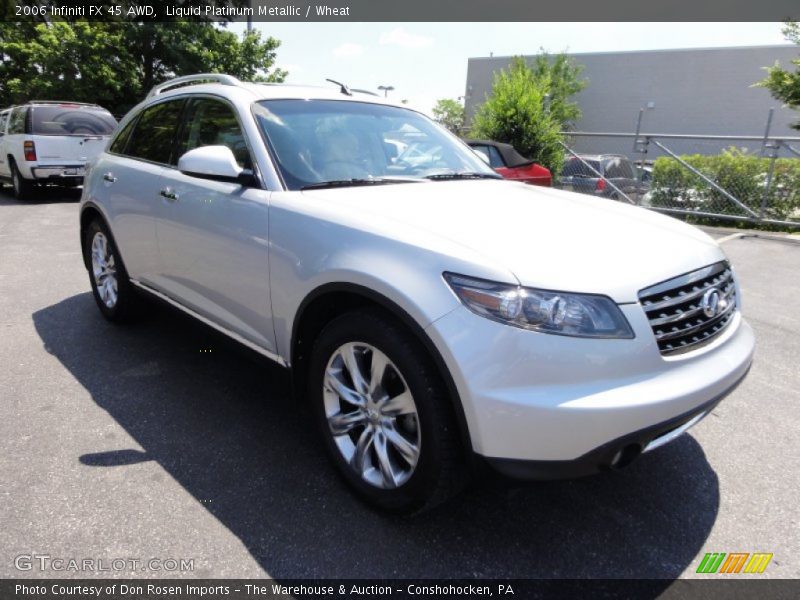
561, 75
785, 85
116, 63
516, 113
450, 114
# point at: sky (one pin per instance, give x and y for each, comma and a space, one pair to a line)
428, 61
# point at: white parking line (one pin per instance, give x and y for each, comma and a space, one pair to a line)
730, 237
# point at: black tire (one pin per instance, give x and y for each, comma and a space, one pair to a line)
440, 470
127, 303
23, 188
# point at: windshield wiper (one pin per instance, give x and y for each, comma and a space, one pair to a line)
357, 182
462, 175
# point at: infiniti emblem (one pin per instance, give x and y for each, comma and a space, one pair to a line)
713, 303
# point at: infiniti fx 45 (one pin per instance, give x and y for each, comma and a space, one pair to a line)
436, 318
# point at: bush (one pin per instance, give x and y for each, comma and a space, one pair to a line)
515, 113
743, 175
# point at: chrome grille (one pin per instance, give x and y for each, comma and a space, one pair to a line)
677, 311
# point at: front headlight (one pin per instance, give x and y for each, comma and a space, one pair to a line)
562, 313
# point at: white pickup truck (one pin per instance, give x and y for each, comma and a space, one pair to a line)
44, 142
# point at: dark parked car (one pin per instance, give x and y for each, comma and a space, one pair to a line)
599, 174
509, 163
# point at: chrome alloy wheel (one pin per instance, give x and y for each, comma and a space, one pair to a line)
104, 270
371, 415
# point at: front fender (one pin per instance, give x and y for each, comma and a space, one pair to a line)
312, 246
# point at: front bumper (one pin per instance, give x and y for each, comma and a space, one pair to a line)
529, 396
615, 454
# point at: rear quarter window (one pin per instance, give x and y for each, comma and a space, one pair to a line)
69, 119
120, 143
16, 122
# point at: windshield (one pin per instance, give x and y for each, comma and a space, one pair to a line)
71, 119
319, 141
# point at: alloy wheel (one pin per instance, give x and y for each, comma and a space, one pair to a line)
372, 415
104, 270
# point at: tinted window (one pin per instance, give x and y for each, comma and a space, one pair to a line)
16, 122
578, 168
71, 119
121, 141
3, 121
154, 134
612, 169
495, 160
213, 123
619, 168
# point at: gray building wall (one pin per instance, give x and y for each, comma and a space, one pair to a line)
693, 91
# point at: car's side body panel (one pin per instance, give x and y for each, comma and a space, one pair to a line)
127, 190
213, 242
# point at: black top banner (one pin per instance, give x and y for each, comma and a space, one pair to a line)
404, 10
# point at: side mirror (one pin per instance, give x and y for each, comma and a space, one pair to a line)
214, 162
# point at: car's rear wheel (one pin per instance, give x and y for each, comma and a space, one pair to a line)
23, 189
384, 413
111, 287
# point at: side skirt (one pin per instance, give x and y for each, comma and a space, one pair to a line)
234, 336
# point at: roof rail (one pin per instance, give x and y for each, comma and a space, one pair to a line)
60, 102
199, 78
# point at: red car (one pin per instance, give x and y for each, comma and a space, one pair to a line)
504, 159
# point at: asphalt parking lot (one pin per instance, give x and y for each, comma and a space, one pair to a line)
162, 440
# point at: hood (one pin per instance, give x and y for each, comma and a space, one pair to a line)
547, 238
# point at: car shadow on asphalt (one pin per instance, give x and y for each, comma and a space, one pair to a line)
42, 195
222, 424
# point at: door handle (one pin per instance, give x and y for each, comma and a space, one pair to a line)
109, 177
169, 194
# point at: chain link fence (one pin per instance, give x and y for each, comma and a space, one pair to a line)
753, 179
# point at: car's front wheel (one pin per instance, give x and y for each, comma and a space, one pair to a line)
384, 413
111, 288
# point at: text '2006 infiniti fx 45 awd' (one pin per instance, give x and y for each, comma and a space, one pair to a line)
433, 315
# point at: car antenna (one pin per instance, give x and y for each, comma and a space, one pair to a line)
342, 87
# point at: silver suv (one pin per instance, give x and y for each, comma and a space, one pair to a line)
434, 316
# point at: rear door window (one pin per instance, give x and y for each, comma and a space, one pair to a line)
71, 119
120, 143
154, 134
3, 122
